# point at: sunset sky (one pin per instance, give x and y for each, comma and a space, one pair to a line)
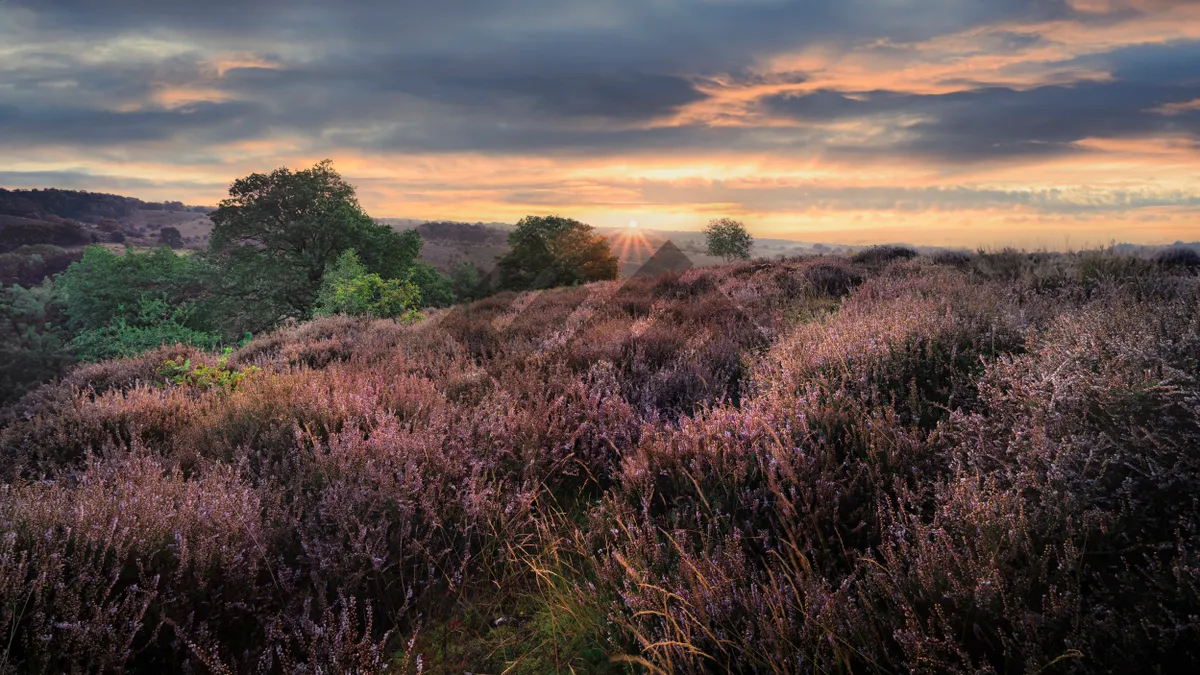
1057, 123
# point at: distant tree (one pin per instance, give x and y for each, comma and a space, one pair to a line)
550, 251
467, 282
170, 236
728, 239
278, 233
65, 234
348, 288
883, 254
29, 265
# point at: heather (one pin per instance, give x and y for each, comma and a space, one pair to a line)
887, 463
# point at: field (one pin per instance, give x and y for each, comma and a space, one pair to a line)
965, 463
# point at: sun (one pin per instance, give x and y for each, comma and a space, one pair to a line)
633, 224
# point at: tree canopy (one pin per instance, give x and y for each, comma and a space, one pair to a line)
550, 251
121, 305
728, 239
277, 234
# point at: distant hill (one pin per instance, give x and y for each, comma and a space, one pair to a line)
44, 230
1139, 250
86, 207
446, 243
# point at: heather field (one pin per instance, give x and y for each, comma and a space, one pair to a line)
880, 463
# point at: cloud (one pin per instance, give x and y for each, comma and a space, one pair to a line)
880, 106
84, 180
998, 121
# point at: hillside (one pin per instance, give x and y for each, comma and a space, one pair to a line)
67, 220
953, 464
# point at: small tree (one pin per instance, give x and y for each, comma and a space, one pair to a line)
348, 288
170, 236
550, 251
728, 239
467, 281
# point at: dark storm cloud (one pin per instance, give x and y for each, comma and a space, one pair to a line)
619, 96
200, 122
1000, 121
667, 35
544, 76
82, 180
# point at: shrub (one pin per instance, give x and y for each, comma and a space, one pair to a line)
952, 258
796, 466
181, 372
347, 288
881, 255
1178, 256
34, 347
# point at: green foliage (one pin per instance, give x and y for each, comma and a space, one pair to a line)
437, 290
727, 238
348, 288
467, 282
277, 233
29, 265
104, 286
31, 233
550, 251
183, 373
121, 305
33, 339
157, 323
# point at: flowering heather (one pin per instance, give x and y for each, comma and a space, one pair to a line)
885, 464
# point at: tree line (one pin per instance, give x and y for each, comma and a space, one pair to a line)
286, 245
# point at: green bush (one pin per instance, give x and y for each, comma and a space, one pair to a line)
348, 288
183, 373
122, 305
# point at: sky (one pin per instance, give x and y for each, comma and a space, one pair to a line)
1032, 123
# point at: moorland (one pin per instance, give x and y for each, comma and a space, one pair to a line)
868, 462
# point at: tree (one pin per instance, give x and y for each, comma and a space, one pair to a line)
348, 288
550, 251
727, 238
121, 305
170, 236
277, 234
436, 288
34, 343
467, 282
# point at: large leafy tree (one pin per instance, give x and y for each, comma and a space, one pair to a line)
278, 233
550, 251
727, 238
